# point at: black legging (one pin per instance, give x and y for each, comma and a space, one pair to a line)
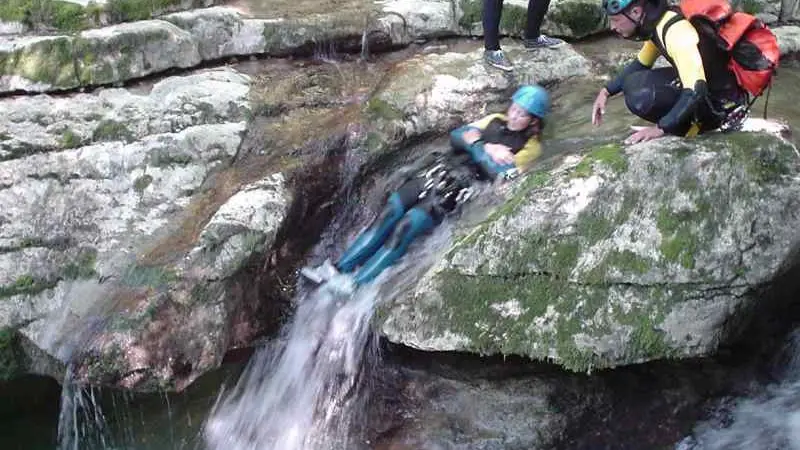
651, 94
492, 9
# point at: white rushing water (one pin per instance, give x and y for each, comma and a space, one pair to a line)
305, 392
767, 419
300, 396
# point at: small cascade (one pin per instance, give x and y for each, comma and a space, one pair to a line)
81, 423
306, 391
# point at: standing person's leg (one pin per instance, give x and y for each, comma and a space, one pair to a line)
492, 9
493, 55
533, 36
651, 94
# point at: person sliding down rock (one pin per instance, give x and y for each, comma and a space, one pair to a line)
498, 146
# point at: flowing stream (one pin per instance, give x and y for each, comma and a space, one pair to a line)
307, 390
767, 419
301, 393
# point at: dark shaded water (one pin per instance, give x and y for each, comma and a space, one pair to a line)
30, 411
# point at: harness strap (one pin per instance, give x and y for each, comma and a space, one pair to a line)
662, 42
766, 99
445, 187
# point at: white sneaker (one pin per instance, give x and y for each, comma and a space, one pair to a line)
321, 273
341, 285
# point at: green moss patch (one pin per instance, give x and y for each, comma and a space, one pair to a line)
685, 233
11, 355
583, 19
70, 140
82, 266
529, 183
68, 16
111, 130
472, 10
749, 6
141, 183
548, 315
610, 155
26, 284
47, 60
763, 160
61, 15
513, 20
378, 108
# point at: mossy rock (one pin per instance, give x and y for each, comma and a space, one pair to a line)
313, 33
69, 139
615, 256
111, 130
610, 156
79, 264
67, 16
61, 15
575, 18
26, 285
12, 358
44, 63
131, 51
513, 20
547, 318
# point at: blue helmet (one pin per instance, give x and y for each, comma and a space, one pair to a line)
614, 7
533, 99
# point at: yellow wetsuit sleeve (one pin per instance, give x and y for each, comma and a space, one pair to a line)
648, 54
483, 123
681, 44
524, 158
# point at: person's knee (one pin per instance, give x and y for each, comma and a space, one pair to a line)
639, 95
635, 80
416, 221
400, 233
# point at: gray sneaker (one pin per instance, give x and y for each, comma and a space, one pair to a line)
496, 58
543, 42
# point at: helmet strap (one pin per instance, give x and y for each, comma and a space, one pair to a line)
637, 32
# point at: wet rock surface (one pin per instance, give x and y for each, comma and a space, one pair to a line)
93, 181
622, 280
435, 400
149, 231
125, 171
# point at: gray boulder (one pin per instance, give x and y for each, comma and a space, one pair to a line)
100, 196
620, 256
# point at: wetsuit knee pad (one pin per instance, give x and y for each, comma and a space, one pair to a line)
640, 96
651, 94
374, 236
392, 212
416, 222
